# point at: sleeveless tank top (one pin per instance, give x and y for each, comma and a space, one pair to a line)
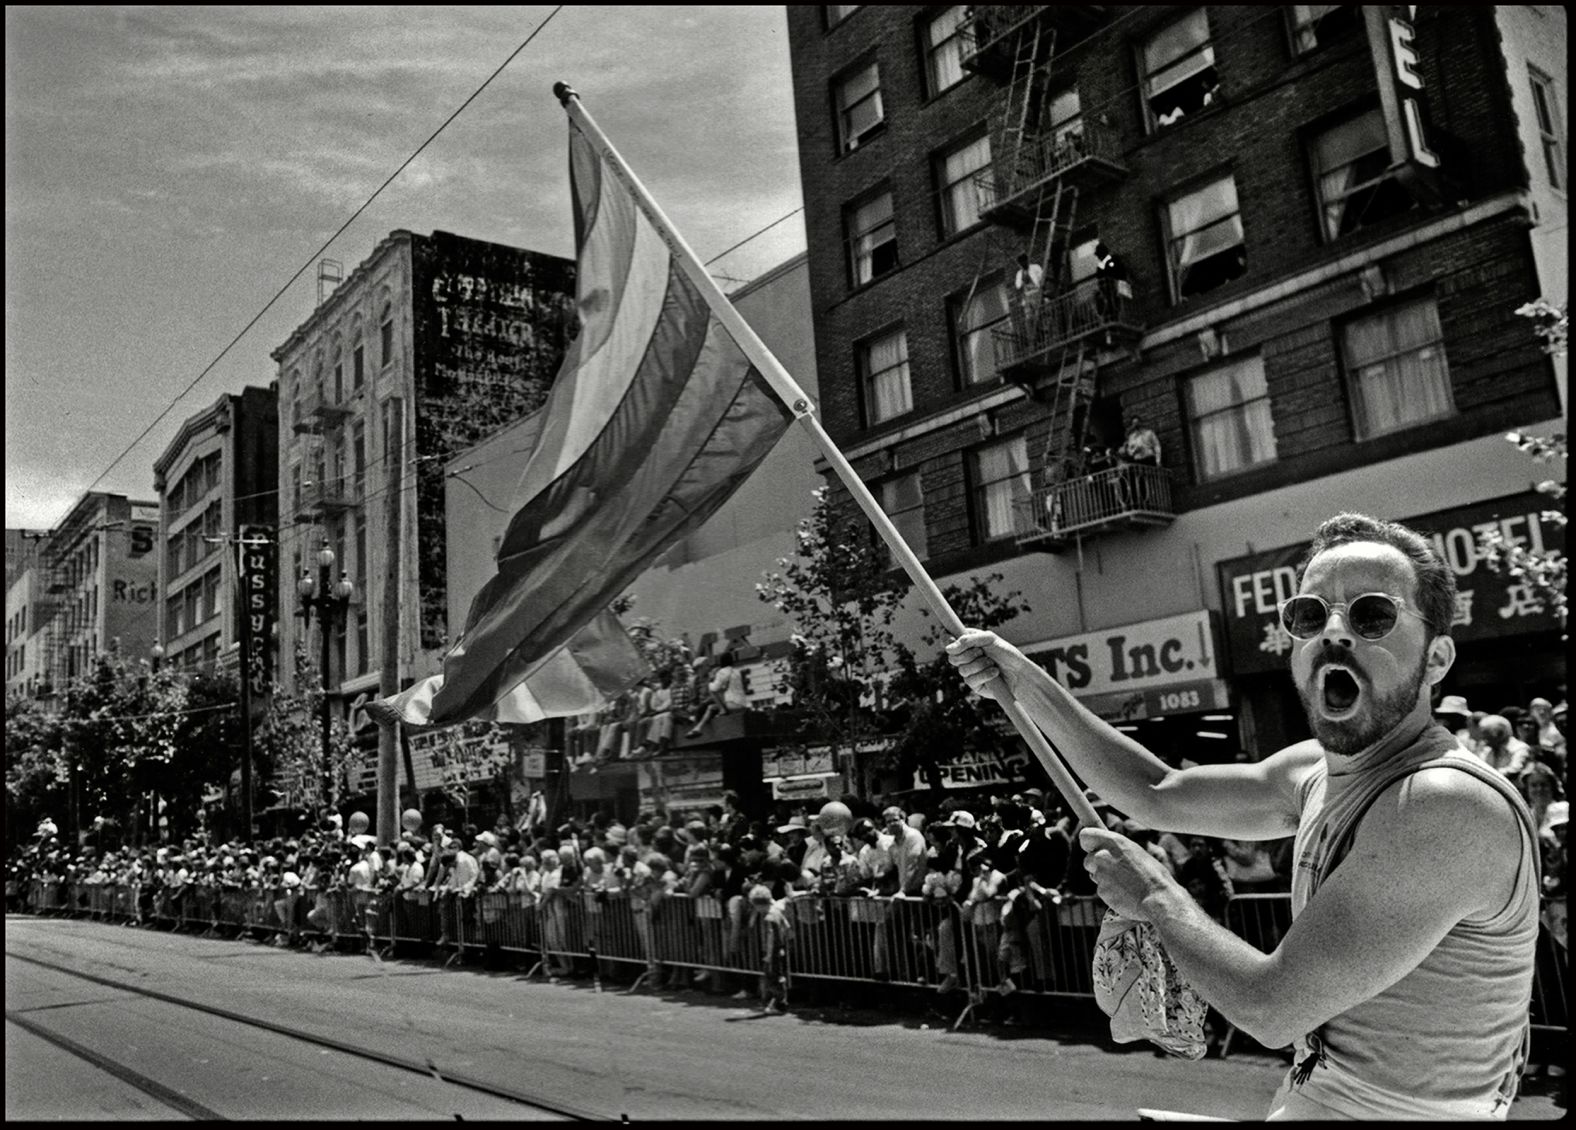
1449, 1039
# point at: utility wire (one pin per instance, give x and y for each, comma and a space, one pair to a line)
305, 266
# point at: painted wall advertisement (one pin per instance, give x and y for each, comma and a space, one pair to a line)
1489, 604
1144, 670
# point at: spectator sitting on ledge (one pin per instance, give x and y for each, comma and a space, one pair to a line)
725, 691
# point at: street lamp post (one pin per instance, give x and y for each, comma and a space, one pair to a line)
330, 601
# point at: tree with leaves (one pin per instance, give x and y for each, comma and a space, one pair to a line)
841, 596
289, 743
941, 716
1542, 571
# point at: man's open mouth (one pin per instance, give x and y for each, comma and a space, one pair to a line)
1339, 690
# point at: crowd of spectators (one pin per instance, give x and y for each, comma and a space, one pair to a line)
999, 859
1527, 745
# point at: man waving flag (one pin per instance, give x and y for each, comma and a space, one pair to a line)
656, 417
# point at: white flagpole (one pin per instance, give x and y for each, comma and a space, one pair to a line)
804, 411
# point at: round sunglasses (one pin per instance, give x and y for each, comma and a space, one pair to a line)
1372, 616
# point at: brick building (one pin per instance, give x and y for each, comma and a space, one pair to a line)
429, 343
1289, 240
219, 474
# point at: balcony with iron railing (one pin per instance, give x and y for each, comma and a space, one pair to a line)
1094, 307
1081, 155
1131, 496
316, 411
331, 497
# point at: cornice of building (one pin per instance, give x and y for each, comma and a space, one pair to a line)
399, 238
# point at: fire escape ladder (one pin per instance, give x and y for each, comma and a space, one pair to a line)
1069, 415
1048, 247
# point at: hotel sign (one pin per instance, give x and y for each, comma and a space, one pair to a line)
1489, 605
1390, 41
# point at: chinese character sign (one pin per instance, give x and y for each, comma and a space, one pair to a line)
259, 581
1489, 604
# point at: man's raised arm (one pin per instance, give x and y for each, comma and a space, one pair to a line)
1240, 802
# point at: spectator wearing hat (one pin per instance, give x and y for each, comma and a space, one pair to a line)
789, 839
1455, 715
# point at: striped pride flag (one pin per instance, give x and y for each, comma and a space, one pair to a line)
655, 419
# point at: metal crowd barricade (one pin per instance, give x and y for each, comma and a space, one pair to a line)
1027, 945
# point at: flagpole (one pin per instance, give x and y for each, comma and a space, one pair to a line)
804, 411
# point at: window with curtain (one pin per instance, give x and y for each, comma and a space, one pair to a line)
973, 317
944, 51
905, 505
872, 239
1317, 25
960, 200
1001, 479
1395, 361
1179, 70
883, 362
1352, 162
1551, 129
1204, 241
1065, 121
1229, 412
858, 107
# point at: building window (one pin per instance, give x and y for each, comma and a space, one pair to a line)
386, 337
1001, 480
837, 13
872, 239
883, 365
358, 459
339, 380
1229, 412
358, 366
1065, 118
1396, 363
1204, 241
858, 107
1352, 165
905, 505
944, 51
1551, 129
295, 398
363, 651
295, 486
1179, 70
1318, 25
960, 199
973, 317
210, 592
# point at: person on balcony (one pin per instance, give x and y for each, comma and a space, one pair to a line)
1140, 448
1027, 286
1114, 284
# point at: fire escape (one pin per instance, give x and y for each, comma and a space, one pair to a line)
332, 489
1047, 158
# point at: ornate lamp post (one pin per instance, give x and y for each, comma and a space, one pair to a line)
331, 602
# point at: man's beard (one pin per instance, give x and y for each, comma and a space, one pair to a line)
1349, 736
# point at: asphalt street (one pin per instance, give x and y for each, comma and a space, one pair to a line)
644, 1055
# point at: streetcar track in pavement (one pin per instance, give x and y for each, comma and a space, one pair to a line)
427, 1069
148, 1086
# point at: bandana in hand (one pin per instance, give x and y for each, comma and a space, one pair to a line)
1137, 985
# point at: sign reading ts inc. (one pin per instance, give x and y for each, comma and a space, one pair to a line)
1152, 654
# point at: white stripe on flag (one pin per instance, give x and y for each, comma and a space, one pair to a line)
604, 377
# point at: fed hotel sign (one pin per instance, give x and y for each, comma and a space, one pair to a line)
1140, 670
1489, 604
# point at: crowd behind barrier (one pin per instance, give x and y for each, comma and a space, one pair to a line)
987, 913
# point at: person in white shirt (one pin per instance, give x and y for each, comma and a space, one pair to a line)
1502, 750
908, 850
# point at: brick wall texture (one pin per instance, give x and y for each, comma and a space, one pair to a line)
1271, 102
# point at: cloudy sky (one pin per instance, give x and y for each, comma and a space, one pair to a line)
169, 169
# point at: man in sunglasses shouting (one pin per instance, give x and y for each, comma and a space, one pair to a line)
1405, 978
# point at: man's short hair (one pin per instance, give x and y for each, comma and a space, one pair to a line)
1436, 584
